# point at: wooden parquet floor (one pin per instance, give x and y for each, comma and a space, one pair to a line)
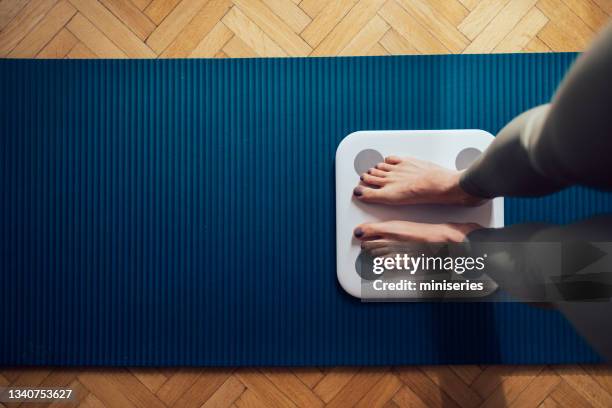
265, 28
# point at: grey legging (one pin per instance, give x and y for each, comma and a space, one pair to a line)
550, 147
544, 150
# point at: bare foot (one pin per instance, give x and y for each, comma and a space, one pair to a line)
400, 181
379, 234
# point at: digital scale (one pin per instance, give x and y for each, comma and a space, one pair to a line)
362, 150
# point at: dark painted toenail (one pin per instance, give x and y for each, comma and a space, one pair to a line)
361, 178
357, 191
358, 233
369, 171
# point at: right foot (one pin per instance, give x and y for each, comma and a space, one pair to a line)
401, 181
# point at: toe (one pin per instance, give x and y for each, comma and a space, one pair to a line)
373, 180
364, 232
382, 251
378, 173
370, 231
375, 244
393, 159
384, 166
367, 194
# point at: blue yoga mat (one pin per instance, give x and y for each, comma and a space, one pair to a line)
181, 212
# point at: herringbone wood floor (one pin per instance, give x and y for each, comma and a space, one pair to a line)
247, 28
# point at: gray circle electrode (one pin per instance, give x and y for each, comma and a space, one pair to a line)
466, 157
366, 159
364, 266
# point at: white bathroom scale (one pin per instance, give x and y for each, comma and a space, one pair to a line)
359, 151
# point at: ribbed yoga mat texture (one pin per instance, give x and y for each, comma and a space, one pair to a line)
181, 212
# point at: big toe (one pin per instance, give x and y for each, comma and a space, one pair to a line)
370, 230
368, 194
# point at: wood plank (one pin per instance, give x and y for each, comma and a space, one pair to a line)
589, 12
290, 13
480, 17
605, 5
449, 382
405, 397
158, 10
412, 31
9, 9
308, 375
470, 4
131, 16
214, 41
500, 26
80, 51
467, 373
600, 373
369, 36
437, 24
274, 27
326, 20
200, 26
251, 34
171, 27
91, 401
560, 40
141, 4
425, 388
333, 381
236, 48
59, 46
525, 31
134, 390
585, 385
152, 378
377, 50
44, 31
566, 396
292, 387
249, 399
266, 391
549, 403
452, 10
357, 387
27, 18
537, 391
564, 18
204, 387
11, 374
93, 38
536, 45
490, 378
59, 378
31, 377
345, 31
511, 387
226, 394
104, 388
395, 44
114, 29
313, 7
177, 384
382, 392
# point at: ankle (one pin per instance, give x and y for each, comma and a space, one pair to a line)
458, 194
